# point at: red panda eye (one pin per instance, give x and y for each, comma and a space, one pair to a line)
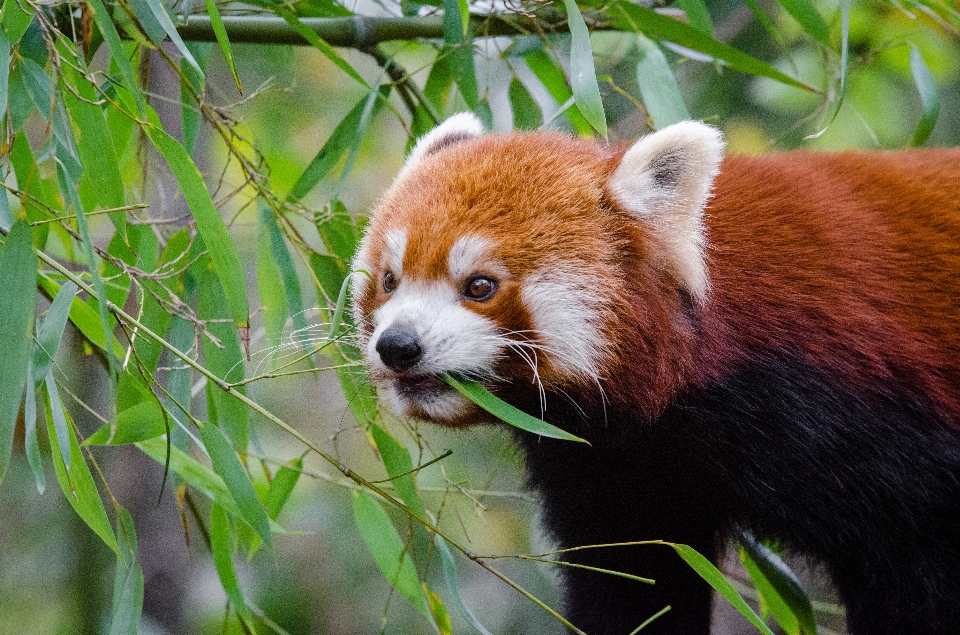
480, 288
389, 282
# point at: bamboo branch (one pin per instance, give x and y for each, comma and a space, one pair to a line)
363, 32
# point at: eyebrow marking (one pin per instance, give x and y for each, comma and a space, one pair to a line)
396, 247
468, 255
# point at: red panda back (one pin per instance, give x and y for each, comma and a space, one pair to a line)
850, 259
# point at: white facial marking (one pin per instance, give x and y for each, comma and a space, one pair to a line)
469, 255
453, 339
567, 320
396, 247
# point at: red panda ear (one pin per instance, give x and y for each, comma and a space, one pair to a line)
460, 127
664, 180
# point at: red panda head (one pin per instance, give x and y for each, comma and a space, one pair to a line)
507, 258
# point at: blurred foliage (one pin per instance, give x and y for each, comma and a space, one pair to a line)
181, 202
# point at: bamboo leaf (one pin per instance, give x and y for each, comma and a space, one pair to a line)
844, 65
384, 544
30, 441
632, 17
698, 15
396, 458
929, 97
15, 17
109, 31
779, 586
84, 317
714, 578
4, 87
223, 561
282, 486
228, 466
223, 251
583, 74
159, 12
459, 39
128, 580
658, 87
526, 112
318, 43
809, 19
18, 274
74, 475
142, 421
507, 413
553, 79
50, 329
223, 40
270, 287
441, 618
450, 573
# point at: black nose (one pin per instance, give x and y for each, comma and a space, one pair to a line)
399, 348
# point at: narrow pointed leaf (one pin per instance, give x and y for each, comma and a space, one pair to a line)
30, 442
4, 79
714, 578
18, 273
583, 74
223, 40
658, 87
507, 413
77, 482
551, 76
319, 43
282, 486
160, 15
807, 17
223, 251
128, 580
632, 17
104, 22
450, 573
228, 466
526, 112
387, 549
929, 97
223, 560
50, 329
15, 17
84, 317
780, 583
698, 15
844, 65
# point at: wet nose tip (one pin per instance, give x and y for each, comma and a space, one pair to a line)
399, 348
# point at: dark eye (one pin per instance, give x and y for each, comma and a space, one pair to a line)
389, 282
480, 288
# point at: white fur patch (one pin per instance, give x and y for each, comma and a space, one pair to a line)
665, 180
453, 339
469, 255
566, 321
394, 249
459, 127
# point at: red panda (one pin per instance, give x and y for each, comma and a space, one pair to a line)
766, 343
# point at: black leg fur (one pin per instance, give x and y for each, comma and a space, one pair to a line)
868, 486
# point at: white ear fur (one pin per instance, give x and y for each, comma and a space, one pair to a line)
460, 127
664, 180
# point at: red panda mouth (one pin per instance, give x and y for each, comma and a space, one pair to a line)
416, 385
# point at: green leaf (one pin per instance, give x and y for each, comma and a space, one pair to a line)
76, 481
224, 360
281, 487
526, 112
342, 138
18, 275
460, 47
223, 561
139, 422
388, 551
128, 580
844, 64
50, 329
658, 87
15, 17
318, 43
104, 22
223, 40
929, 97
507, 413
714, 578
583, 74
450, 573
778, 585
632, 17
809, 19
223, 251
551, 76
228, 466
698, 15
84, 317
270, 287
396, 458
4, 81
30, 441
190, 84
159, 11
